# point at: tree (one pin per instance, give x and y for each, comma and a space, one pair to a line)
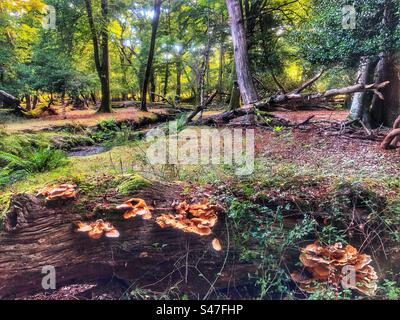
245, 80
102, 60
146, 80
371, 46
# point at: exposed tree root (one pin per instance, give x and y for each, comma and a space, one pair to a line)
392, 140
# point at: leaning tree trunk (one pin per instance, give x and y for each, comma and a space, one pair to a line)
245, 79
36, 235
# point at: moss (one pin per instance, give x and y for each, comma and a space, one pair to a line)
133, 183
4, 203
67, 142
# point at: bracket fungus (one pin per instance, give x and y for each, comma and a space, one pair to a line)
197, 218
96, 229
136, 207
59, 192
328, 265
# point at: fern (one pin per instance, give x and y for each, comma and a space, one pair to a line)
16, 167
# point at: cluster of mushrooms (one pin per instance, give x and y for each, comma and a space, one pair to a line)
59, 192
133, 207
197, 218
97, 229
136, 207
326, 264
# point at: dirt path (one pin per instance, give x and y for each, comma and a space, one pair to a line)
79, 117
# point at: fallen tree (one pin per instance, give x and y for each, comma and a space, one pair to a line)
296, 99
38, 234
293, 100
7, 100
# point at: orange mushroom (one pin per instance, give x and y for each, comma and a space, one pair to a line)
216, 244
96, 229
325, 265
63, 191
134, 207
197, 218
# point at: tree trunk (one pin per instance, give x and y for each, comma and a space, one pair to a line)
156, 19
28, 105
102, 62
391, 93
35, 101
166, 79
245, 80
360, 106
105, 78
36, 235
178, 80
152, 86
221, 71
234, 102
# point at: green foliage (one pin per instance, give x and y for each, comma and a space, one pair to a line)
322, 39
263, 230
390, 289
29, 162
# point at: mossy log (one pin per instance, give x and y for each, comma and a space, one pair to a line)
37, 234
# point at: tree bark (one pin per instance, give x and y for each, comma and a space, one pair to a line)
156, 19
245, 80
152, 85
178, 80
166, 79
362, 100
102, 61
36, 234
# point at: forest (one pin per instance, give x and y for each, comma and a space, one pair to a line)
199, 150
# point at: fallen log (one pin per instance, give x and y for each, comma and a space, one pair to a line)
38, 234
296, 99
7, 100
200, 108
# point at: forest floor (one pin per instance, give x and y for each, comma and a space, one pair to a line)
84, 118
314, 172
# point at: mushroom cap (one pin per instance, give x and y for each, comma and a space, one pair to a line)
136, 206
96, 232
203, 218
63, 191
326, 264
112, 233
216, 244
83, 227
